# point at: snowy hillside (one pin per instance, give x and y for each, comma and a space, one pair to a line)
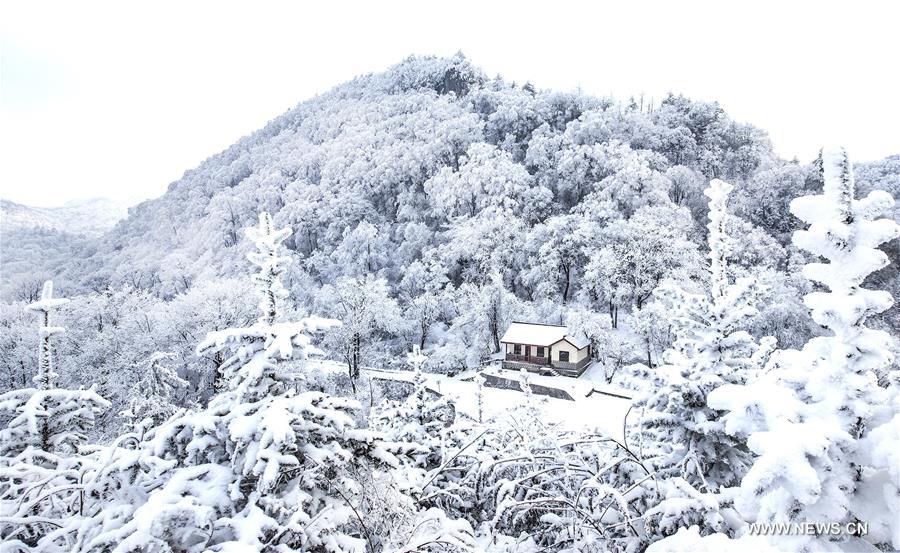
88, 217
409, 164
379, 156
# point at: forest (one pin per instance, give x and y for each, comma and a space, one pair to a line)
295, 347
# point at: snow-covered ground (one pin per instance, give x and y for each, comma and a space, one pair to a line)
600, 411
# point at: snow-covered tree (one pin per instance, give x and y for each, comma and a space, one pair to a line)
42, 466
809, 421
262, 467
487, 179
160, 390
363, 250
653, 330
711, 349
184, 321
17, 346
560, 244
47, 418
118, 331
610, 348
425, 295
479, 381
483, 314
420, 418
484, 245
367, 313
633, 257
271, 264
44, 306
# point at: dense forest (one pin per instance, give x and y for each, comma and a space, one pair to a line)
401, 222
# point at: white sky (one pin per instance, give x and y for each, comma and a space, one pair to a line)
118, 100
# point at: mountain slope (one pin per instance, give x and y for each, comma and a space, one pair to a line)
365, 151
432, 160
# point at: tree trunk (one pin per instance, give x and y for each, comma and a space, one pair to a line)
354, 360
496, 336
494, 327
350, 372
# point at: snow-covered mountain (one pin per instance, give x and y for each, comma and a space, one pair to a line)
90, 217
433, 162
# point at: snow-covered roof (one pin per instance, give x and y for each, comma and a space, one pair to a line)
579, 343
536, 334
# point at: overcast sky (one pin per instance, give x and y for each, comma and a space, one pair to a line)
109, 99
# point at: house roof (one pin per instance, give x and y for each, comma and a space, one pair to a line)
579, 343
536, 334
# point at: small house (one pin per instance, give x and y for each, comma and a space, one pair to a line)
545, 348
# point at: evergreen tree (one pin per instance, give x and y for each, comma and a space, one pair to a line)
159, 387
420, 418
808, 422
262, 467
479, 380
44, 306
42, 465
711, 349
47, 418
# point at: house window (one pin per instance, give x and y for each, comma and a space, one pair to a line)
564, 356
540, 352
517, 349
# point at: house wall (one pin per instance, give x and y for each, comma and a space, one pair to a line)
532, 350
526, 350
575, 354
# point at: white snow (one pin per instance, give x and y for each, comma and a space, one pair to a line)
533, 334
601, 412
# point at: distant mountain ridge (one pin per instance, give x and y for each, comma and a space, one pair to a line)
91, 217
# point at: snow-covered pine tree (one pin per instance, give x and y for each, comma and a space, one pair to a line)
46, 418
419, 419
250, 353
44, 306
159, 387
271, 265
42, 471
807, 422
262, 468
711, 349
